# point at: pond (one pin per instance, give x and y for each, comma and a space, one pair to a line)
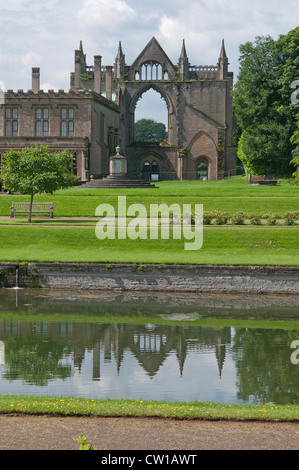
175, 347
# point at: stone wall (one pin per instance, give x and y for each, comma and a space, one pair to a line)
153, 278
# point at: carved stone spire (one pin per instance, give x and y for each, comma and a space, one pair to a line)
223, 62
183, 55
183, 62
120, 62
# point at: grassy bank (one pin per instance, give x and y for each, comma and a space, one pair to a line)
221, 246
71, 406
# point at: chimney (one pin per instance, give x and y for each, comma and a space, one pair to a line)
109, 82
97, 73
77, 75
35, 79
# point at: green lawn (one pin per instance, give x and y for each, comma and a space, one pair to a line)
232, 195
239, 245
221, 245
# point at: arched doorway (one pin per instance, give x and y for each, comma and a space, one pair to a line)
150, 170
202, 167
202, 171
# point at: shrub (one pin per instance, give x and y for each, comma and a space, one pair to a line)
221, 218
238, 218
290, 218
271, 218
207, 218
255, 219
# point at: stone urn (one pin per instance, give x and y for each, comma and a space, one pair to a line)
118, 164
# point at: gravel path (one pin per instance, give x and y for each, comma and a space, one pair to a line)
19, 432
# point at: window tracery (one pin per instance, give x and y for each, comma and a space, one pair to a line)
151, 70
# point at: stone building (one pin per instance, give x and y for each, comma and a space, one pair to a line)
98, 113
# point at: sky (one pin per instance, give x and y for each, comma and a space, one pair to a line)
41, 34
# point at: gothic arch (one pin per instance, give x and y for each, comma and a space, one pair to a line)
203, 149
141, 89
153, 160
198, 162
199, 135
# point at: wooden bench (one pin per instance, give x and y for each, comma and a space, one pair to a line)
37, 208
262, 180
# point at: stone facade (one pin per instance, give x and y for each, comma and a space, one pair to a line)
97, 114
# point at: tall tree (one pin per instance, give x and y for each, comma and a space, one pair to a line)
148, 130
295, 154
262, 103
36, 170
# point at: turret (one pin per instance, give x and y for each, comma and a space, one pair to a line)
119, 63
183, 63
80, 66
223, 62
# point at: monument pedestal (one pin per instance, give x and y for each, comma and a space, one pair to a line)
118, 177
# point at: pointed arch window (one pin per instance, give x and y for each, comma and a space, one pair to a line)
151, 70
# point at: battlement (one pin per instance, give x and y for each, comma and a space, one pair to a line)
49, 93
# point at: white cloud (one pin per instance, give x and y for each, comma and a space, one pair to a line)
103, 14
45, 34
203, 25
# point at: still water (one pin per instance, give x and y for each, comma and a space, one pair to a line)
159, 347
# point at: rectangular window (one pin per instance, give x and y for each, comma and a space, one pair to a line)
11, 122
38, 128
63, 129
41, 122
63, 113
45, 128
71, 128
14, 128
67, 125
7, 128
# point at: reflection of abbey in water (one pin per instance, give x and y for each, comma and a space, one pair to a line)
149, 344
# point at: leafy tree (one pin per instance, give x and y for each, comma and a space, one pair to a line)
295, 154
286, 54
253, 92
262, 105
36, 170
148, 130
